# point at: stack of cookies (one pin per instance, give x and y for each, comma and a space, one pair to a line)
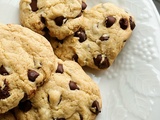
41, 63
36, 85
92, 37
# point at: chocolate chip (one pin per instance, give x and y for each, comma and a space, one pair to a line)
48, 98
34, 5
95, 107
25, 106
45, 29
43, 20
75, 58
46, 35
104, 37
3, 71
81, 34
60, 20
123, 23
25, 97
132, 23
60, 100
80, 14
81, 117
4, 92
110, 20
32, 75
60, 119
60, 69
73, 85
101, 62
97, 60
125, 41
84, 5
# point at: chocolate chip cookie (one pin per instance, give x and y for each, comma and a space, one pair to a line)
103, 34
58, 18
70, 94
26, 62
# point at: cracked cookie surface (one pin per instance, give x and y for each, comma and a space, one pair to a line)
58, 18
70, 94
26, 62
102, 35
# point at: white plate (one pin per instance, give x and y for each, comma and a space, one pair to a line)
130, 88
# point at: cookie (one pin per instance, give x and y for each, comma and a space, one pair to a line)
70, 94
26, 62
7, 116
103, 34
58, 18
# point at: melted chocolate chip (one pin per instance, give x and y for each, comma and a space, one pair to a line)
104, 37
84, 5
60, 20
73, 85
60, 69
3, 71
4, 92
101, 62
123, 23
75, 58
110, 20
32, 75
34, 5
95, 107
25, 106
81, 34
60, 119
132, 23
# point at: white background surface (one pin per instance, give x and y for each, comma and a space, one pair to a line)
130, 88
